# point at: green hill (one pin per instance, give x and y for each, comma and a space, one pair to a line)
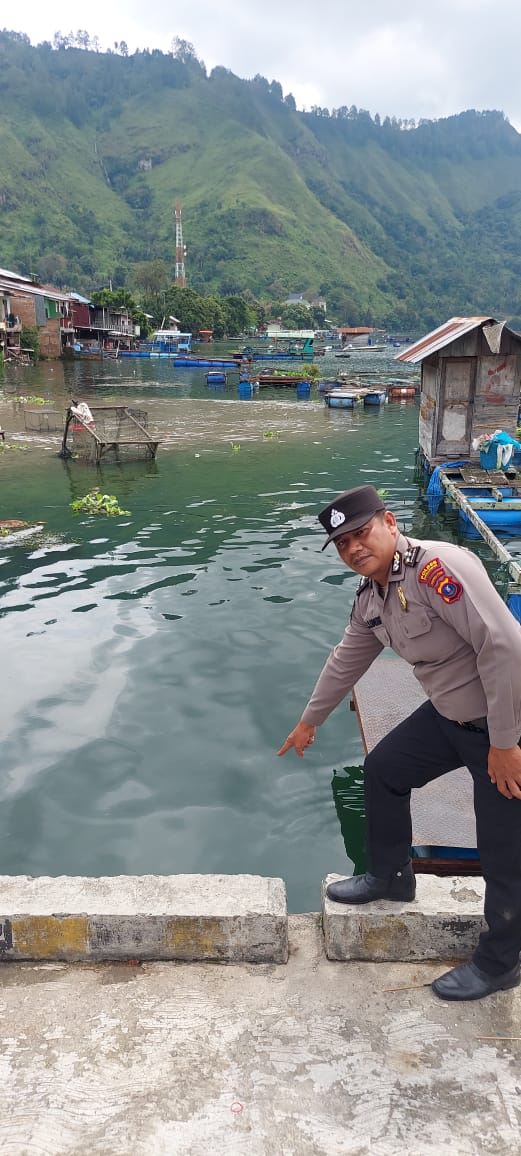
394, 224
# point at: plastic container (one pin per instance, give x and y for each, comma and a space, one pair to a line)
488, 457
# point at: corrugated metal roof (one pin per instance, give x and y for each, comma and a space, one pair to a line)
439, 338
30, 290
17, 276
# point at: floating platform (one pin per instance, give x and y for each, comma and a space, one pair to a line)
443, 820
494, 495
280, 380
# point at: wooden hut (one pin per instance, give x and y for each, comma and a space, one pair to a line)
470, 385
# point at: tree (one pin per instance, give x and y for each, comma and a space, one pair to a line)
296, 317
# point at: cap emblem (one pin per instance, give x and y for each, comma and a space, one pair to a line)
336, 519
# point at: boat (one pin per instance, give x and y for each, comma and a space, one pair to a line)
294, 351
360, 349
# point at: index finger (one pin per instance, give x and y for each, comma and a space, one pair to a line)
285, 746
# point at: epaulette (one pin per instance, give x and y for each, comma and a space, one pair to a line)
362, 585
410, 557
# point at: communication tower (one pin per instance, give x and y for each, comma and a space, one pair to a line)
180, 248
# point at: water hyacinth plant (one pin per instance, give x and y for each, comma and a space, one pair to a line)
97, 503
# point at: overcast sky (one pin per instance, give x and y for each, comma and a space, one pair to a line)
404, 58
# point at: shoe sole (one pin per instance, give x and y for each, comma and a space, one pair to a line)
372, 899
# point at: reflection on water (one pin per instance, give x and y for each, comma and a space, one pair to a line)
158, 660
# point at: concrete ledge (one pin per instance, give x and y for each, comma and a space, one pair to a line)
223, 918
443, 922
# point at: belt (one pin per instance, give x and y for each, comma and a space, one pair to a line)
477, 724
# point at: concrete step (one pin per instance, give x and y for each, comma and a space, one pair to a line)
223, 918
442, 923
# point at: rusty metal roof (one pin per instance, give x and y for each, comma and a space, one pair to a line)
444, 335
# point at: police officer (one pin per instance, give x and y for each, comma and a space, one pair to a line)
435, 605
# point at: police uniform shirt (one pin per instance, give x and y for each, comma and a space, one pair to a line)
441, 613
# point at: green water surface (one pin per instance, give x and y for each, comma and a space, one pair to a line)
154, 663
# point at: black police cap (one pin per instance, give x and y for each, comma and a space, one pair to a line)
350, 511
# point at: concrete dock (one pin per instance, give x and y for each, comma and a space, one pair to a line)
308, 1058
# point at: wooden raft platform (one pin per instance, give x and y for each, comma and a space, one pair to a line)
442, 811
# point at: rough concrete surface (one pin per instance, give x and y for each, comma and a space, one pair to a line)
443, 922
204, 917
314, 1058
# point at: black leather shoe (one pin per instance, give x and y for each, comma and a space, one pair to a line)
365, 888
468, 982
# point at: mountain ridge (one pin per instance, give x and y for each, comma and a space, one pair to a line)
393, 225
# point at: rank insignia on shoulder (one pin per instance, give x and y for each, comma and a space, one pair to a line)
396, 563
411, 555
362, 585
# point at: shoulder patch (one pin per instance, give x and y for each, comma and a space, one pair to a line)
433, 574
431, 571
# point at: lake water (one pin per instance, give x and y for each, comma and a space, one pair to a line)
154, 662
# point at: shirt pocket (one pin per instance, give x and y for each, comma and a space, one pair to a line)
414, 625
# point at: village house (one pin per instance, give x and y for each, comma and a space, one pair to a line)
26, 303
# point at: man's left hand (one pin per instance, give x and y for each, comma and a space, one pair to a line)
504, 768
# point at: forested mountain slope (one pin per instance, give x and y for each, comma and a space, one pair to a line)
391, 223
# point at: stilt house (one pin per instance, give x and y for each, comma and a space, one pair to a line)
470, 385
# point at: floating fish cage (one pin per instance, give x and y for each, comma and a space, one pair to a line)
44, 421
116, 434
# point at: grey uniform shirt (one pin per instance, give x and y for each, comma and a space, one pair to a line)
443, 615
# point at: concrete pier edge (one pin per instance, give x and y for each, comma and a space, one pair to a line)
442, 923
225, 919
214, 918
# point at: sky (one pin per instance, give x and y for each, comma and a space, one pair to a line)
403, 58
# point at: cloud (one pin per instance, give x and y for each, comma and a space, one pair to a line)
407, 58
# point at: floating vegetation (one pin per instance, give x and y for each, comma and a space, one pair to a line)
30, 400
235, 447
271, 433
97, 503
4, 446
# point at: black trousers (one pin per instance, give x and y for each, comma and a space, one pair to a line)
422, 748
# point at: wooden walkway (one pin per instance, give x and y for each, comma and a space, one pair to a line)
442, 811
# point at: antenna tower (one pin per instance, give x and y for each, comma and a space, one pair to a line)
180, 249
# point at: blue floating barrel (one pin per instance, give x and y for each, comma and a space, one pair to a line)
303, 389
245, 389
216, 377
